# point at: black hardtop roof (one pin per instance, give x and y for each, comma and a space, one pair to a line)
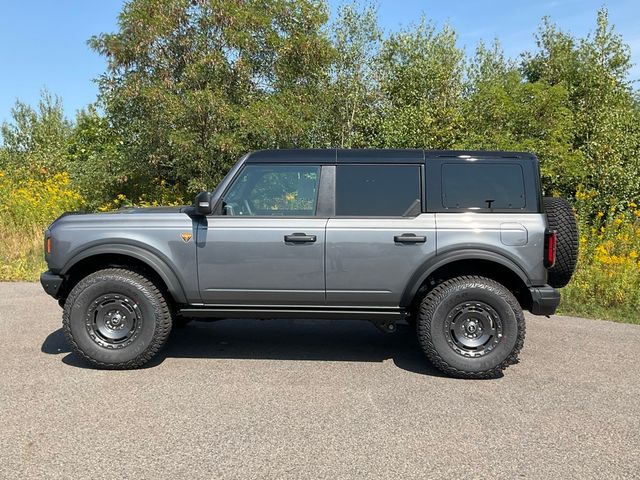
372, 155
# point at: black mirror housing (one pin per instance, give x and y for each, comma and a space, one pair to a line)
203, 203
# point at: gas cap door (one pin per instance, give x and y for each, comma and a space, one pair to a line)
513, 234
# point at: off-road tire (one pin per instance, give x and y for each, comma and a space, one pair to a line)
152, 313
561, 219
446, 297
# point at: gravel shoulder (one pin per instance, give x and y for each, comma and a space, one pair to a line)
310, 399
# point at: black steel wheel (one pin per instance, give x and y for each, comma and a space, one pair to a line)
116, 318
471, 327
113, 320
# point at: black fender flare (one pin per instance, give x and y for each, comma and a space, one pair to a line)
434, 263
153, 260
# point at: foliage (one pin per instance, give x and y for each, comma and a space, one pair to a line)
605, 136
607, 280
27, 206
348, 117
95, 159
35, 142
191, 86
420, 73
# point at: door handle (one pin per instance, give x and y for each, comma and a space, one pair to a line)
299, 238
409, 238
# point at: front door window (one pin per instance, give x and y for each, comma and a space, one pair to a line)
273, 190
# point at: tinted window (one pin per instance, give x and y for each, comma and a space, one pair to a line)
483, 185
273, 190
378, 190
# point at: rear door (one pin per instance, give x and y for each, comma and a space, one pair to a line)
379, 236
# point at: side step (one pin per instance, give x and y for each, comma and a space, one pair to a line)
385, 320
376, 316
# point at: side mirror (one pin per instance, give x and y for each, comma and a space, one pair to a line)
203, 203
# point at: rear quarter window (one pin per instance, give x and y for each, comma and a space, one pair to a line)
483, 186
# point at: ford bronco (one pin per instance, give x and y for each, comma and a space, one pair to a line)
456, 243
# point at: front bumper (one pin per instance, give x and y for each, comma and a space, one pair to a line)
544, 300
52, 283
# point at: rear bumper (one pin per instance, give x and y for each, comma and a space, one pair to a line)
544, 300
52, 283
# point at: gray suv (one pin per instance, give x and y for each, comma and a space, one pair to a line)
456, 243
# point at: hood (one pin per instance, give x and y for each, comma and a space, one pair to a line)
178, 209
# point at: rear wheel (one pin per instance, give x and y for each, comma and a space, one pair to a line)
471, 327
116, 318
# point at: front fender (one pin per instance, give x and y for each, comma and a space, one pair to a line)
153, 260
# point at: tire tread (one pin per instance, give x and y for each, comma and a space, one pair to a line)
560, 218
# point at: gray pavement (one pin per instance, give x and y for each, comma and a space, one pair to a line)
288, 399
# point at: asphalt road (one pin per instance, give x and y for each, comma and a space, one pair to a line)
313, 400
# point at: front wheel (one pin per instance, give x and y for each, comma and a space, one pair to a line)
116, 318
471, 327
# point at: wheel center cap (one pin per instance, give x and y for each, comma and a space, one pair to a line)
471, 327
115, 319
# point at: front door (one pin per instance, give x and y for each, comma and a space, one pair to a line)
267, 245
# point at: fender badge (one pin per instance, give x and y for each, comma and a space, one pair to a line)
186, 237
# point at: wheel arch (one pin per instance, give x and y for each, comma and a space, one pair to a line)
468, 262
127, 256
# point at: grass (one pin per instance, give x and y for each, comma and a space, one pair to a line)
603, 292
21, 254
606, 283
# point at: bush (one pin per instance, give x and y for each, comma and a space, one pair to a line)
607, 279
27, 207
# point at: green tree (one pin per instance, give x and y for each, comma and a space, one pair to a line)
595, 72
420, 75
352, 96
96, 162
191, 86
34, 143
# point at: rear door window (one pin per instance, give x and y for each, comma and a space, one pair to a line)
378, 190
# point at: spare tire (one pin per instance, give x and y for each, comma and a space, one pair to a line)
561, 219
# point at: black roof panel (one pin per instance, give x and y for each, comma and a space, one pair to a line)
293, 155
333, 155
